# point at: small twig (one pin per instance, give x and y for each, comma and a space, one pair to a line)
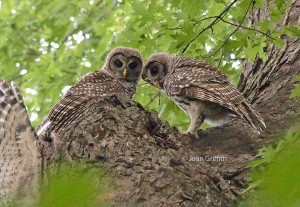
143, 84
159, 98
206, 18
221, 58
234, 31
16, 77
217, 19
175, 28
152, 99
69, 72
99, 2
195, 23
248, 28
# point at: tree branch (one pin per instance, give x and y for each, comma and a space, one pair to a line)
152, 99
234, 31
210, 25
248, 28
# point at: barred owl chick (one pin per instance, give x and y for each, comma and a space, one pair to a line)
20, 158
200, 90
119, 76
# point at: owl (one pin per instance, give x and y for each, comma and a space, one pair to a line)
119, 76
202, 91
20, 157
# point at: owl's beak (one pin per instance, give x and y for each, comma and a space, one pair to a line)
156, 84
125, 73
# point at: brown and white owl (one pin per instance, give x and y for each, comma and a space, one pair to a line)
200, 90
119, 75
20, 157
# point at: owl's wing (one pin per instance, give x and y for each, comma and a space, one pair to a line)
64, 113
200, 80
96, 84
194, 71
207, 83
74, 104
20, 159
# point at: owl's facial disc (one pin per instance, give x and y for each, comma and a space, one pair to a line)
132, 69
128, 68
155, 73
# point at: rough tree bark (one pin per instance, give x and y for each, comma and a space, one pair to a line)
152, 160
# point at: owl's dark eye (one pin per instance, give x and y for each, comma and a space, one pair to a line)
154, 71
118, 63
132, 65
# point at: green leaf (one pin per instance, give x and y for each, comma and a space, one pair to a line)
276, 184
293, 31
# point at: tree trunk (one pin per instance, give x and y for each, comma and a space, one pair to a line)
156, 166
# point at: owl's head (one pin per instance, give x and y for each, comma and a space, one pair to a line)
156, 69
124, 63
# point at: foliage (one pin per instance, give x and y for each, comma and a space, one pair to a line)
276, 184
76, 185
47, 45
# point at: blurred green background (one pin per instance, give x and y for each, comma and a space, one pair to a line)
46, 46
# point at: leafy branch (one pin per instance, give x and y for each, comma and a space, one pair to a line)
217, 19
247, 28
234, 31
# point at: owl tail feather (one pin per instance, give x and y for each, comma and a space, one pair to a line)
251, 116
